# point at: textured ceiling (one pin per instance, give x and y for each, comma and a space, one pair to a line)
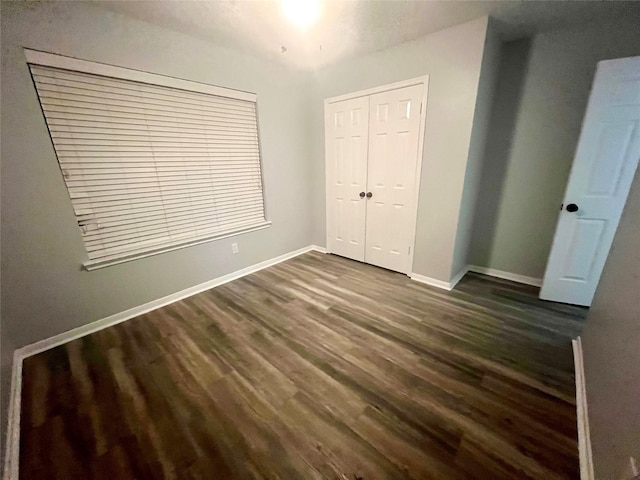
349, 28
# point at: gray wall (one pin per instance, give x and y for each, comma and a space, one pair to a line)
611, 347
534, 132
452, 59
477, 145
44, 291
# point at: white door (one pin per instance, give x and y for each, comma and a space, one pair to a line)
394, 133
346, 134
604, 165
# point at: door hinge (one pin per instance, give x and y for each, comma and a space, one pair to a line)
420, 109
409, 251
561, 206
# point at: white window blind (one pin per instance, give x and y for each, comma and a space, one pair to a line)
150, 167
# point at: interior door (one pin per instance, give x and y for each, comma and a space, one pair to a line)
346, 131
394, 133
604, 165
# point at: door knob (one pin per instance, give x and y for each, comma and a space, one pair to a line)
361, 194
572, 207
369, 194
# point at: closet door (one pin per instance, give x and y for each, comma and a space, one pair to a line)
346, 132
394, 131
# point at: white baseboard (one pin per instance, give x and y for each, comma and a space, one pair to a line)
492, 272
430, 281
454, 281
514, 277
12, 454
318, 248
67, 336
434, 282
584, 439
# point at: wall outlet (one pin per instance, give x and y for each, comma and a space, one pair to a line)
234, 248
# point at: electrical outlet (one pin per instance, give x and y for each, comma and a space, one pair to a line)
234, 248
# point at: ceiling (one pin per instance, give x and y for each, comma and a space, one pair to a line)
349, 28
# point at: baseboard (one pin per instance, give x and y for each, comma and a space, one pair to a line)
79, 332
434, 282
514, 277
430, 281
318, 248
584, 439
492, 272
12, 453
454, 281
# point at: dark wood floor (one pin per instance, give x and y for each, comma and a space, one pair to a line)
318, 367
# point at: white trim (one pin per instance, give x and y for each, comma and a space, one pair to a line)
584, 440
434, 282
12, 454
454, 281
492, 272
379, 89
514, 277
424, 81
69, 63
96, 264
75, 333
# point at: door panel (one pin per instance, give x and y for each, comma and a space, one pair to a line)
346, 133
394, 131
604, 165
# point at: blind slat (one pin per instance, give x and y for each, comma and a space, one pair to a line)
115, 238
120, 107
133, 127
48, 92
50, 84
108, 117
152, 174
148, 205
61, 74
151, 165
113, 229
168, 243
90, 215
167, 184
155, 150
108, 199
107, 139
157, 157
161, 181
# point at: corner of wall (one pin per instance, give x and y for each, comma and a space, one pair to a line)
486, 88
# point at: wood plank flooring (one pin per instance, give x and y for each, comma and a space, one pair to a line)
316, 368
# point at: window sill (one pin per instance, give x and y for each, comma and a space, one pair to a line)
97, 264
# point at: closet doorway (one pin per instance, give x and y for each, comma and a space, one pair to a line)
373, 146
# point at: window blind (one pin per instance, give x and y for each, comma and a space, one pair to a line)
151, 167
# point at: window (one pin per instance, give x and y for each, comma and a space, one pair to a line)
151, 163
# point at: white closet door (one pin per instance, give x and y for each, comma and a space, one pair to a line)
394, 131
346, 130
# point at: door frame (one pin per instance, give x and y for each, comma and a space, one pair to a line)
424, 81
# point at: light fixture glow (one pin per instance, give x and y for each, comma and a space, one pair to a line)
301, 12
